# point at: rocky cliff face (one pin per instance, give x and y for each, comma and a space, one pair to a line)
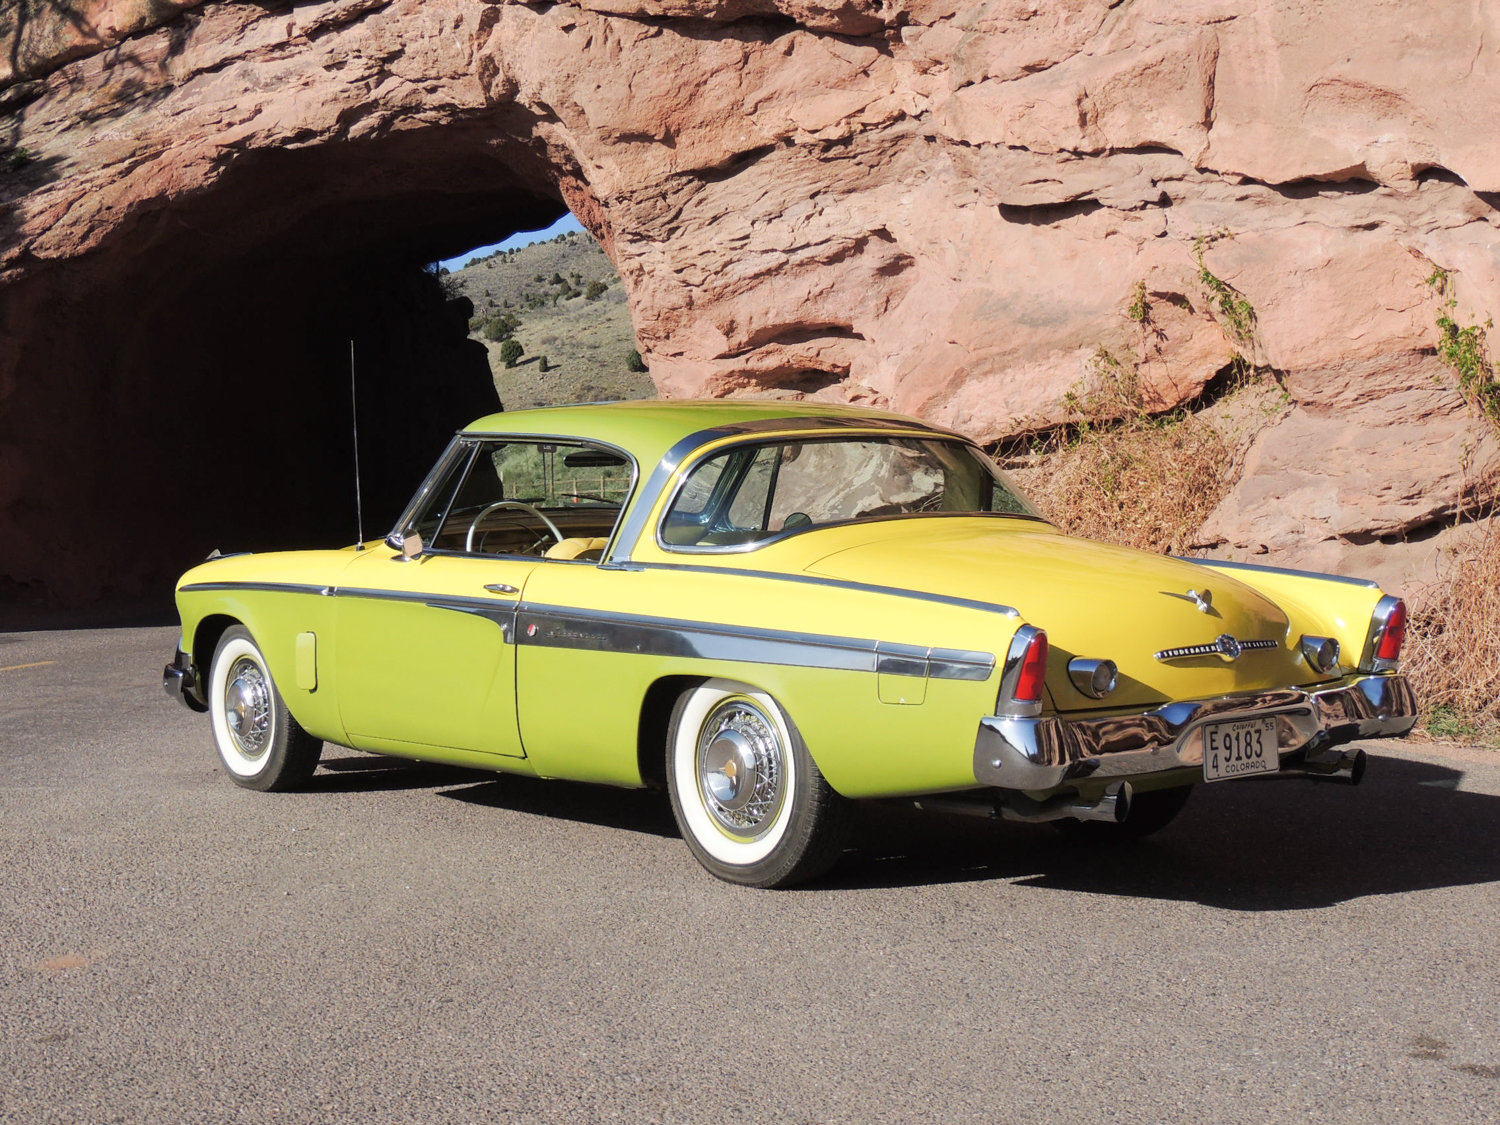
942, 207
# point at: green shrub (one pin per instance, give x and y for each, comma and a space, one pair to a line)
510, 351
594, 291
495, 329
542, 365
634, 362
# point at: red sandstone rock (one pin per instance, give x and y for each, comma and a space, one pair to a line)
937, 206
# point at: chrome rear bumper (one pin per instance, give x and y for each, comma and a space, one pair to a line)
1048, 751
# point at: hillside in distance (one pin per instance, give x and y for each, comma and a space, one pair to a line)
552, 289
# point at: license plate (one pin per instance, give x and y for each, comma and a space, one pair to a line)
1239, 749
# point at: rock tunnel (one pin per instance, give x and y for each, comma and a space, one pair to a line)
193, 391
937, 207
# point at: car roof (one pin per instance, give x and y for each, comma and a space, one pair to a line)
647, 428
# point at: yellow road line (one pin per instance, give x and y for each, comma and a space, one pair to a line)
18, 667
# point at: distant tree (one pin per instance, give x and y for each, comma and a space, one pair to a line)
594, 291
542, 365
634, 362
506, 302
556, 279
577, 278
442, 271
510, 351
538, 277
496, 329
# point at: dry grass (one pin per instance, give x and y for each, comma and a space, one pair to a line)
1147, 483
1122, 475
1453, 642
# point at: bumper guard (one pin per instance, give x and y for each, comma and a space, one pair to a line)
180, 680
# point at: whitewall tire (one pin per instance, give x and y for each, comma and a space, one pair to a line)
750, 801
259, 743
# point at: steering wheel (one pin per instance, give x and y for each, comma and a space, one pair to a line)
469, 538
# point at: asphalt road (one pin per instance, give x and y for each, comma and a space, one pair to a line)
413, 944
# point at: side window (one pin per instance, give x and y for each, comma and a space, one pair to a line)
725, 499
529, 498
749, 494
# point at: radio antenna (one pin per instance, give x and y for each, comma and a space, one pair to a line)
359, 506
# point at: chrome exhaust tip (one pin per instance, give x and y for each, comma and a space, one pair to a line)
1345, 766
1113, 806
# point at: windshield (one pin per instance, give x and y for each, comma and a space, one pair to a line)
753, 493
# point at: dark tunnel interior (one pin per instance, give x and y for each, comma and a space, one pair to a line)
187, 386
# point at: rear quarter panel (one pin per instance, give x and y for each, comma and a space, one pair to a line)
580, 708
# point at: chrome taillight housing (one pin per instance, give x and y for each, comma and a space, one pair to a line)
1387, 635
1025, 675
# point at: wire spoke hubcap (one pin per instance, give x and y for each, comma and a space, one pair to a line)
740, 768
247, 708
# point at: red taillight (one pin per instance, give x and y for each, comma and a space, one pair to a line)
1393, 634
1033, 671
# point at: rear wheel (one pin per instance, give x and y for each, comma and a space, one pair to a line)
261, 745
751, 803
1149, 812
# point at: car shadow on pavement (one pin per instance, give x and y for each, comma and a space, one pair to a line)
631, 810
370, 774
1252, 845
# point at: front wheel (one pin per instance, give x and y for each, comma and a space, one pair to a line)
259, 742
751, 803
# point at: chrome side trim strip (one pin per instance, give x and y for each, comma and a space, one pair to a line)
1224, 564
265, 587
607, 631
818, 580
502, 615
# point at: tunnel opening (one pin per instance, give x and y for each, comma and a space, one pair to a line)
185, 385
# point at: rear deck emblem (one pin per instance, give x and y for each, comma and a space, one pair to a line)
1224, 646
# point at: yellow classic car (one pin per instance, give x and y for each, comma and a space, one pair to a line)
773, 610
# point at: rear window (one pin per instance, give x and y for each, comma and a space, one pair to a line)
753, 493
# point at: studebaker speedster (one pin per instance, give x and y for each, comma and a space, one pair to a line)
772, 610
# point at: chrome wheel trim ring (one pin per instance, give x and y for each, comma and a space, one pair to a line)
741, 768
247, 708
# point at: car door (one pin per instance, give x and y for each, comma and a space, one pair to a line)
426, 625
426, 651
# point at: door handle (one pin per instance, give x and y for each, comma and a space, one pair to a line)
501, 588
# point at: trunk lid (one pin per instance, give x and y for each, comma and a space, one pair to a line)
1093, 599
